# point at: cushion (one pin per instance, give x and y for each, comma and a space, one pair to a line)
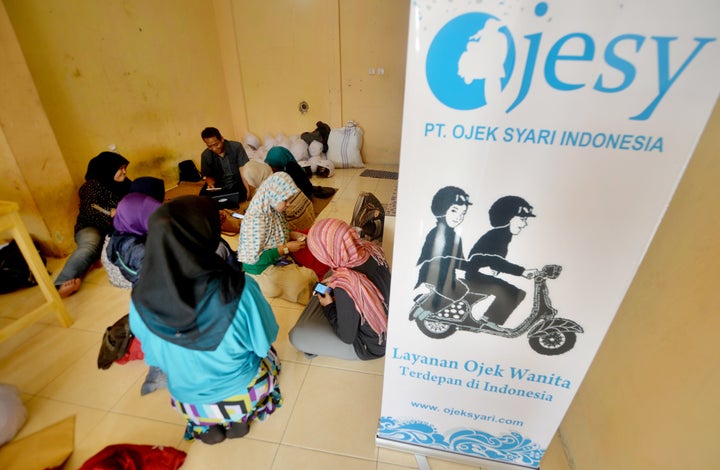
325, 168
252, 140
299, 149
315, 149
12, 412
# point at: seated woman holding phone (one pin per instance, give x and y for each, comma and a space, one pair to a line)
266, 246
347, 317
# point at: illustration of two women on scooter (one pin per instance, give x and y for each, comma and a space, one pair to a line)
447, 307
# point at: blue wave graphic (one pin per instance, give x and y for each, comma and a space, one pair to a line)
511, 448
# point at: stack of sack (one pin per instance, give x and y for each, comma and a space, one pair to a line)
319, 152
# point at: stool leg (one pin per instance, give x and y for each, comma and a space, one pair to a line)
54, 302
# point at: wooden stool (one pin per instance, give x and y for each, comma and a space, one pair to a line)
10, 221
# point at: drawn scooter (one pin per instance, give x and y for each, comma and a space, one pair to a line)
546, 333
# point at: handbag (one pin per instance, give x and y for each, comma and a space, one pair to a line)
369, 217
115, 342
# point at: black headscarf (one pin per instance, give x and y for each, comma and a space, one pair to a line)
103, 167
153, 187
180, 265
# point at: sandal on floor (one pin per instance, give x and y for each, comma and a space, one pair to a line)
236, 430
214, 435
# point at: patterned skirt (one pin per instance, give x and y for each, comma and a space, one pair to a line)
262, 399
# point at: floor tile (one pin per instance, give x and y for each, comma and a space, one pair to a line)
83, 383
45, 356
336, 411
43, 412
389, 466
292, 377
11, 345
396, 457
286, 318
245, 453
16, 304
155, 405
295, 458
374, 366
97, 307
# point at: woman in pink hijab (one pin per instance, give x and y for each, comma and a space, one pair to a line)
350, 322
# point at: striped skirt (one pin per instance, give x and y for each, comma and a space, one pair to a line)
261, 399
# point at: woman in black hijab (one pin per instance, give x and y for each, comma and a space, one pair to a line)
105, 184
205, 324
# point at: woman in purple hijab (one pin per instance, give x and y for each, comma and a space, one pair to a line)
126, 249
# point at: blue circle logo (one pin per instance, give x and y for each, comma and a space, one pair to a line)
470, 61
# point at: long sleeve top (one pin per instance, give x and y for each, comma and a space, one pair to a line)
345, 318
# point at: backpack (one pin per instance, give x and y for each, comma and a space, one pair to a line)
369, 217
14, 271
189, 171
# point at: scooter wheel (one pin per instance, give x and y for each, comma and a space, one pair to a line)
435, 329
553, 343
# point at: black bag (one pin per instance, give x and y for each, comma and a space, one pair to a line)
321, 134
189, 171
115, 342
369, 217
14, 271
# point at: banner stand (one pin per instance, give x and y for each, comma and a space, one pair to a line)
422, 453
540, 150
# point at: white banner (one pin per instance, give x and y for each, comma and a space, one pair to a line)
542, 143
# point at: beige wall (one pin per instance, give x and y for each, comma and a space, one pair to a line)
289, 52
40, 182
650, 399
144, 76
321, 52
374, 35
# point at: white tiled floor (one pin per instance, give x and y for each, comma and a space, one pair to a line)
330, 411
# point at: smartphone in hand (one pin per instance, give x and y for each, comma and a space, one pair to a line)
322, 289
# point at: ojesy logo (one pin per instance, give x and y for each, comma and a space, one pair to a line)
472, 58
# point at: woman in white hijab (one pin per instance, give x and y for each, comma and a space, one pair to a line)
266, 243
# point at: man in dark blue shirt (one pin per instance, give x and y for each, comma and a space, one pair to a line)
220, 163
